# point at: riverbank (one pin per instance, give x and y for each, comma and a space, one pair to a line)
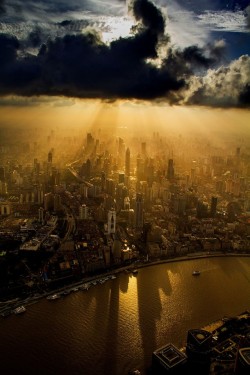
191, 257
12, 304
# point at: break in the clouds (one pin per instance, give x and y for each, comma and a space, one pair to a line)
69, 57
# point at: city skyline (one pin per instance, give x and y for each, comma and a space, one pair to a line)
124, 186
69, 226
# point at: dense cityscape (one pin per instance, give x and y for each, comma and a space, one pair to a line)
124, 187
74, 206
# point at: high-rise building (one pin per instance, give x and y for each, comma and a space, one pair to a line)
116, 250
5, 209
143, 149
86, 169
202, 209
110, 186
243, 361
139, 211
169, 360
126, 203
150, 171
111, 221
198, 348
140, 168
127, 162
213, 206
3, 188
50, 157
84, 190
2, 174
41, 215
89, 142
48, 201
57, 202
103, 181
121, 146
121, 178
170, 171
40, 195
83, 212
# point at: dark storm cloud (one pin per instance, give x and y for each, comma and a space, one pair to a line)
82, 65
195, 56
8, 49
150, 15
193, 60
204, 5
2, 7
245, 95
35, 37
248, 16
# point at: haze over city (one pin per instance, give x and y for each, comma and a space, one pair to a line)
124, 186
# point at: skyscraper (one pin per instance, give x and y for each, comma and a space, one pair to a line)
170, 171
41, 214
89, 141
2, 174
50, 156
139, 211
111, 221
127, 162
213, 206
139, 168
83, 212
143, 149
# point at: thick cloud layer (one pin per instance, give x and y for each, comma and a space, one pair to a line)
2, 8
214, 4
248, 16
150, 16
227, 86
82, 65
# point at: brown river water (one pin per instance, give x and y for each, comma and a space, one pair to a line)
114, 327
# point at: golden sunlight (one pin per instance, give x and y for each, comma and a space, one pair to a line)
122, 117
117, 27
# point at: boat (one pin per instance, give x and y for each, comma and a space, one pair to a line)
65, 292
134, 372
196, 273
53, 297
84, 287
113, 277
19, 310
135, 272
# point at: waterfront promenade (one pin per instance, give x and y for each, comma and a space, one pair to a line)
15, 302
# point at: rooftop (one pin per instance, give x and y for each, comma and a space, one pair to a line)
170, 356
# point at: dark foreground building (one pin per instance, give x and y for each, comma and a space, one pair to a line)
224, 351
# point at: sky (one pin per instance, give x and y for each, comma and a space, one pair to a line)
163, 53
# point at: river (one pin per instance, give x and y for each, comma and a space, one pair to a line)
115, 326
